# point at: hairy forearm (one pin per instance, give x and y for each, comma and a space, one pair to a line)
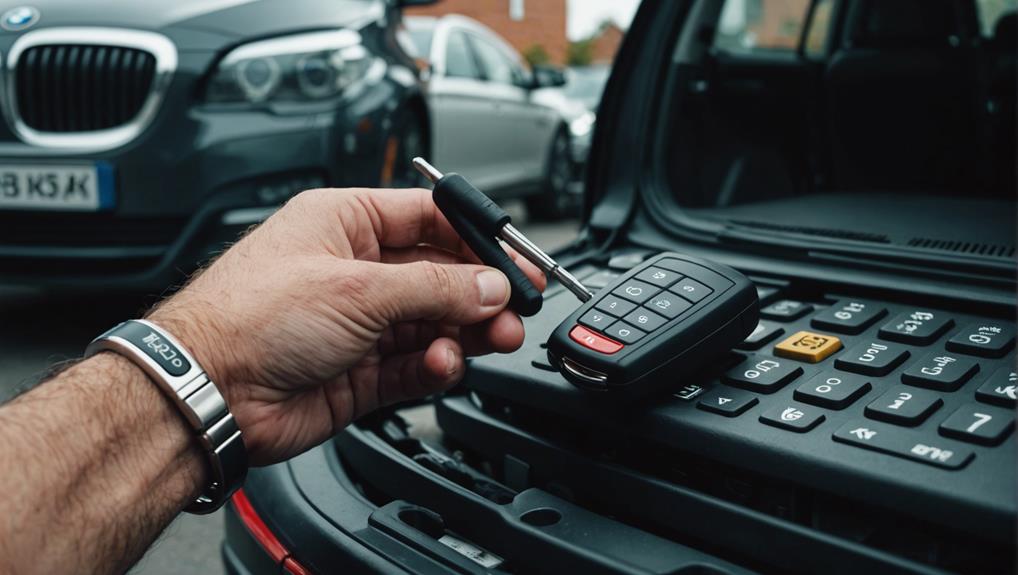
95, 463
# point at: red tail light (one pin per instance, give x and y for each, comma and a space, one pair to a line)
260, 531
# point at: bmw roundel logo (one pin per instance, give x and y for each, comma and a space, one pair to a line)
17, 19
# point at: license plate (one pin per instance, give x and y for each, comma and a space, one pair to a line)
56, 187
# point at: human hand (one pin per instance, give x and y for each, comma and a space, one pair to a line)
343, 301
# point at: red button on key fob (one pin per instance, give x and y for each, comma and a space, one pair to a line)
593, 340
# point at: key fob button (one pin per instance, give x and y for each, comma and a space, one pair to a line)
668, 305
597, 319
690, 289
624, 332
615, 306
593, 340
636, 291
645, 320
659, 277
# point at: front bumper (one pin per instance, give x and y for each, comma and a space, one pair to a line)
195, 179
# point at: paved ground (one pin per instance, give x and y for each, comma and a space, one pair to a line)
37, 330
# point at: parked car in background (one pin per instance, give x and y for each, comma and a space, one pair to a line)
486, 121
139, 136
577, 100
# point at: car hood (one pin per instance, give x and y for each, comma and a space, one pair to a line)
205, 24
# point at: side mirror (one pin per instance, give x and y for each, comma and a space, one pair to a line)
548, 77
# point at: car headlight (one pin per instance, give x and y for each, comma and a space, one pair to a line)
583, 125
299, 68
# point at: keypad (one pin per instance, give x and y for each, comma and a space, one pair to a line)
727, 401
832, 389
916, 327
786, 310
850, 316
872, 358
904, 406
765, 332
1001, 388
941, 371
985, 339
903, 443
793, 417
978, 424
763, 374
642, 304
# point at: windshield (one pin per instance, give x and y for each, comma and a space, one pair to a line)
884, 122
586, 84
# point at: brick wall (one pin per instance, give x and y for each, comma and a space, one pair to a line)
605, 44
543, 23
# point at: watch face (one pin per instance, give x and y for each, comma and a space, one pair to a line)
154, 345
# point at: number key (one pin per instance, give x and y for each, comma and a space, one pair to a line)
872, 358
1001, 388
832, 389
978, 424
848, 316
904, 406
786, 310
940, 371
986, 339
762, 374
917, 327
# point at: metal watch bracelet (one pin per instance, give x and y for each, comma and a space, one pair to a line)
176, 372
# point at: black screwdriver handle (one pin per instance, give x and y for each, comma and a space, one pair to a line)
525, 299
454, 191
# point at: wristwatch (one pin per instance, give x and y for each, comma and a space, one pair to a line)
176, 372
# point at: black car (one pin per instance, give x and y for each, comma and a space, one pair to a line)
862, 175
139, 136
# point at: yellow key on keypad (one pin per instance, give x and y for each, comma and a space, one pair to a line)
808, 346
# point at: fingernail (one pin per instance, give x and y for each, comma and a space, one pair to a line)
450, 362
494, 288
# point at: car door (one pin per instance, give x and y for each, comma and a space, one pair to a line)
462, 111
524, 134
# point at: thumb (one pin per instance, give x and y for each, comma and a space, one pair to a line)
460, 294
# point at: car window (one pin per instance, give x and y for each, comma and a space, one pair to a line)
819, 29
991, 11
459, 62
495, 65
760, 26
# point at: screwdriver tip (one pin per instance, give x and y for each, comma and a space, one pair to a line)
427, 170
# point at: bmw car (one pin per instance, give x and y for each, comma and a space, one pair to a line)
138, 137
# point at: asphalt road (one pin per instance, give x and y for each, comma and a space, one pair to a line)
38, 330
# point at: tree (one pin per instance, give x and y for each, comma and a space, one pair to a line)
536, 55
580, 52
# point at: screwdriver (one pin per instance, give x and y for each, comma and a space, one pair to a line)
459, 200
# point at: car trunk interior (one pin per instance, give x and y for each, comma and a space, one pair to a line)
897, 129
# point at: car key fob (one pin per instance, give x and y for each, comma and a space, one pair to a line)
655, 325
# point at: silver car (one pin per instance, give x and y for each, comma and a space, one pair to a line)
486, 123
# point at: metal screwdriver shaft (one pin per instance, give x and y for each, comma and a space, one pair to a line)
520, 243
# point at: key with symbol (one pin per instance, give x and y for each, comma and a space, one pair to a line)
680, 313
